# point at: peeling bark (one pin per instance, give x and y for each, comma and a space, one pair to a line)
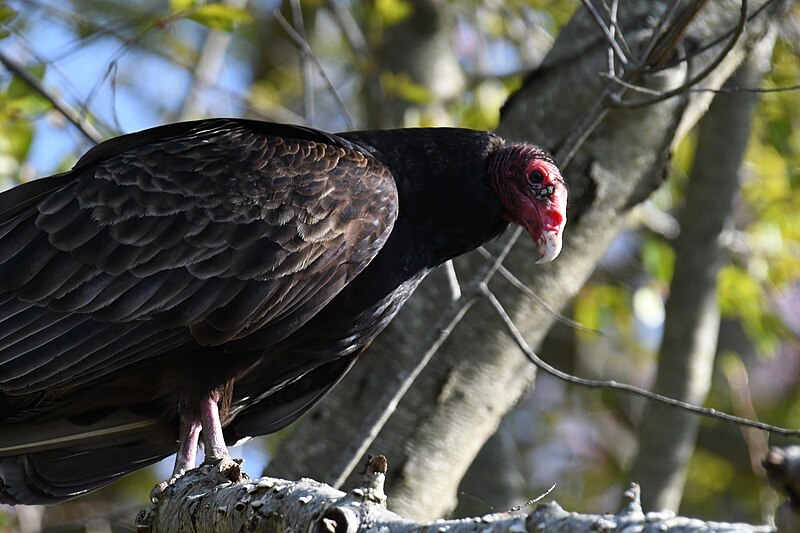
197, 503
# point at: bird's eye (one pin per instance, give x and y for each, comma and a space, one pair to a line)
537, 176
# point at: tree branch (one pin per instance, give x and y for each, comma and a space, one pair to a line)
57, 102
203, 500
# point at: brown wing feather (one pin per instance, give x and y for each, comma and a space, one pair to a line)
196, 239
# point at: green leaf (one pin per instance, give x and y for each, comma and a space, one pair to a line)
393, 11
219, 16
401, 86
6, 13
19, 88
180, 5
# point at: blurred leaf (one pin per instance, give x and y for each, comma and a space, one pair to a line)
180, 5
603, 307
481, 107
393, 11
18, 87
401, 86
7, 14
219, 16
658, 258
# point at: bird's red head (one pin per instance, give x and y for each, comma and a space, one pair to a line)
533, 193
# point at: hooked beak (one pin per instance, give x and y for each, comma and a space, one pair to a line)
548, 245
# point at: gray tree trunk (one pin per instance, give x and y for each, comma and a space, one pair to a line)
478, 375
686, 358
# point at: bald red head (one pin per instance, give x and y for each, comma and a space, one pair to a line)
531, 189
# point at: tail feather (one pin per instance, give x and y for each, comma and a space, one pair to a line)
56, 475
55, 463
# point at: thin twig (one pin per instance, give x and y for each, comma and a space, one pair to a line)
209, 66
398, 388
623, 387
452, 280
618, 102
524, 289
662, 24
540, 497
306, 70
612, 15
60, 105
300, 42
734, 90
598, 19
664, 45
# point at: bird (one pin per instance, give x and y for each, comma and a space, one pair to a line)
204, 282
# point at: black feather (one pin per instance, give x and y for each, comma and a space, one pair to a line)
176, 261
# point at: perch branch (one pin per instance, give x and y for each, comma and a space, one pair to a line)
203, 500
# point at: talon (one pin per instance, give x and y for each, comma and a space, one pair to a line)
159, 489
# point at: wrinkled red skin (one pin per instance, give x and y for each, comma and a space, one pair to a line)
536, 199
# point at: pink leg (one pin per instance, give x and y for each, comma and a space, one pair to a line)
187, 449
213, 441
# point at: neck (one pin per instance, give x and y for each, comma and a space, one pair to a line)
447, 207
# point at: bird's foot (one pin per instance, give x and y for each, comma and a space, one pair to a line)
160, 488
226, 468
223, 469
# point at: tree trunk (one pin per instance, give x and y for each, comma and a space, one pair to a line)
478, 375
686, 359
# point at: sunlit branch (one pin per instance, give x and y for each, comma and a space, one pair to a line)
452, 280
734, 90
711, 44
598, 19
208, 67
60, 105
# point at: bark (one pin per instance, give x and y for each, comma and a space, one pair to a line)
478, 375
198, 503
686, 358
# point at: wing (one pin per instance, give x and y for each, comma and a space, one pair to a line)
190, 234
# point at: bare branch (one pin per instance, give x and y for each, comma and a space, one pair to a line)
609, 33
623, 387
732, 90
618, 102
664, 42
303, 45
524, 289
60, 105
208, 67
452, 280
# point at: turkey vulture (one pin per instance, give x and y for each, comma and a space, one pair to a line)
222, 275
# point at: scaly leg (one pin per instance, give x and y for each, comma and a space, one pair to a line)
187, 448
213, 441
